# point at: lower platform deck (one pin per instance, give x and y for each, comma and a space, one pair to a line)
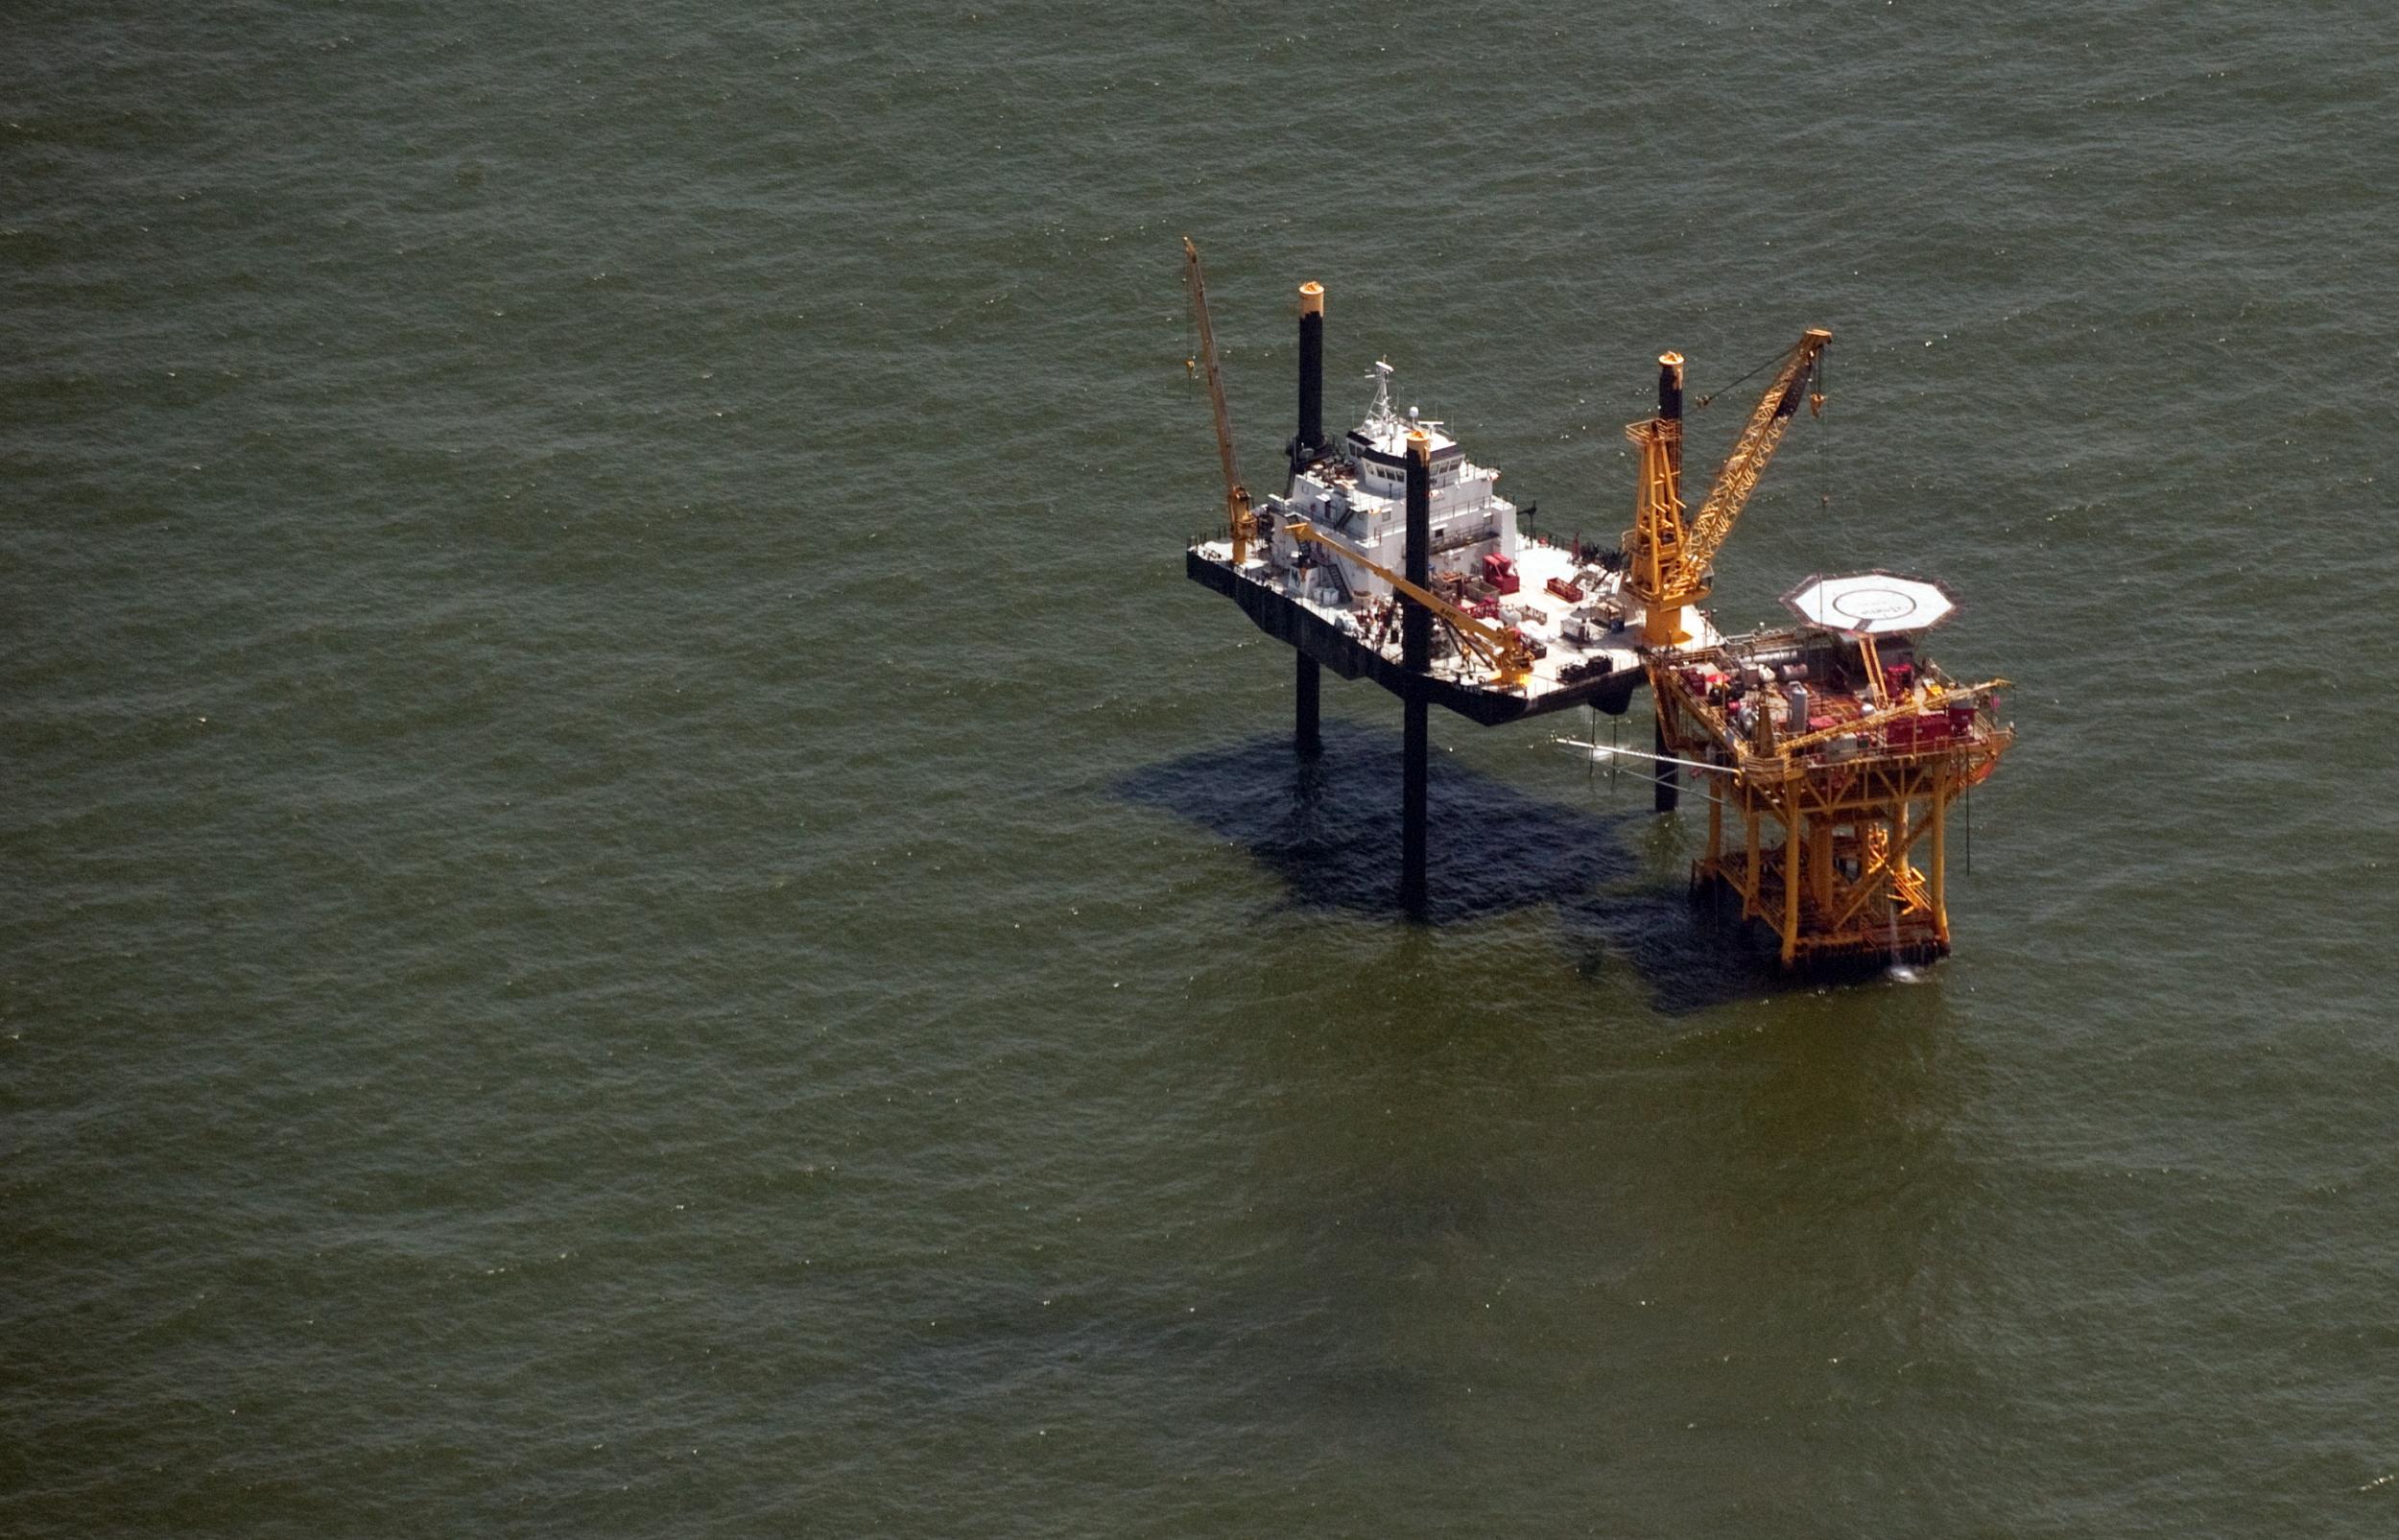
1900, 931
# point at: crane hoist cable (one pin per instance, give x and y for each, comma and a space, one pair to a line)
1708, 400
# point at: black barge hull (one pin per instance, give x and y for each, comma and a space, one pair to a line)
1295, 625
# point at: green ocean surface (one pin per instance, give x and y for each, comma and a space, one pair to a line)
641, 902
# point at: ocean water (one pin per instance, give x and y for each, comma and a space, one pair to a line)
640, 902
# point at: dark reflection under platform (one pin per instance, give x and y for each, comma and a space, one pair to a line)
1329, 827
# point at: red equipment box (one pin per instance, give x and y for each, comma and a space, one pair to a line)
1916, 732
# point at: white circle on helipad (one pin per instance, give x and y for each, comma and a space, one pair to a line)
1870, 603
1874, 604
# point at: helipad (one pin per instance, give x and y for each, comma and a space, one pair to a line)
1871, 604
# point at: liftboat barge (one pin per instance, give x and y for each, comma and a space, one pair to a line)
1391, 556
1322, 569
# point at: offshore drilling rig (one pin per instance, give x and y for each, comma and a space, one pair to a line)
1833, 750
1837, 734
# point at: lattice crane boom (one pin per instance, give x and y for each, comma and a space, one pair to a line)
1237, 513
1506, 657
1667, 559
1755, 447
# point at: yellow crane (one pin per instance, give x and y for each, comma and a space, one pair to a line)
1244, 525
1500, 650
1668, 563
1804, 729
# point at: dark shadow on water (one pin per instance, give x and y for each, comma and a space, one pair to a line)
1329, 828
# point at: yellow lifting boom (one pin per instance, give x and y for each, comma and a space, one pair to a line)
1500, 652
1747, 463
1244, 526
1668, 562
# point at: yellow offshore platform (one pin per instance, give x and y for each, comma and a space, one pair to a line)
1833, 750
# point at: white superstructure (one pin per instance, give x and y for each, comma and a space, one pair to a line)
1357, 494
1566, 606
